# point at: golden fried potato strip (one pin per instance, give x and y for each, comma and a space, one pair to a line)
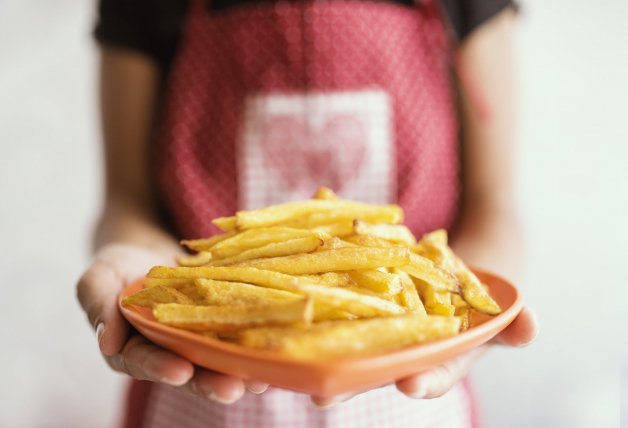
149, 297
359, 304
375, 280
475, 293
436, 302
256, 238
276, 249
351, 338
226, 224
176, 283
241, 294
206, 244
325, 193
225, 318
409, 296
200, 259
323, 212
249, 275
396, 233
341, 259
425, 270
330, 279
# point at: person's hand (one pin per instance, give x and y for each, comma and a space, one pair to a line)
437, 381
112, 269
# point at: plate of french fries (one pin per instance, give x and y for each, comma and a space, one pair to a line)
323, 296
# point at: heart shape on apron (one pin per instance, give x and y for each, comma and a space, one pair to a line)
307, 154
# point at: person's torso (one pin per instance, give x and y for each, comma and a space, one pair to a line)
269, 100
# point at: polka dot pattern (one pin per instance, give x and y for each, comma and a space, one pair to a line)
301, 46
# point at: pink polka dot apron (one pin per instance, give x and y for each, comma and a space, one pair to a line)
268, 100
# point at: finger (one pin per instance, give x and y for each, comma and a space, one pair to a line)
114, 267
331, 401
97, 293
142, 360
218, 387
255, 387
437, 381
521, 331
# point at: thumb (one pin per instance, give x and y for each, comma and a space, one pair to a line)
97, 292
521, 331
114, 267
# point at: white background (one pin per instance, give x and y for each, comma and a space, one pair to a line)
574, 201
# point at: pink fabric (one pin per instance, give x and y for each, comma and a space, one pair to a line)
152, 405
288, 47
307, 47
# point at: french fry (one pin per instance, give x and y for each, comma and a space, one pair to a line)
225, 318
409, 296
321, 278
330, 279
226, 224
326, 313
190, 291
167, 282
334, 243
200, 259
474, 293
367, 292
256, 238
321, 218
396, 233
425, 270
241, 294
331, 210
224, 293
206, 244
436, 302
471, 288
275, 249
458, 302
350, 301
148, 297
325, 193
351, 338
376, 280
368, 241
341, 259
341, 228
461, 311
249, 275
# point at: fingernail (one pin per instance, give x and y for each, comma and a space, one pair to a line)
420, 392
100, 329
326, 405
332, 401
173, 382
256, 388
215, 397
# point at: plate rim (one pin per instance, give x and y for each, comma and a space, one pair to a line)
490, 328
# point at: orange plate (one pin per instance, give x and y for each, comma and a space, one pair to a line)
326, 378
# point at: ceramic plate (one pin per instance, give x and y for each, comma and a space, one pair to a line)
325, 378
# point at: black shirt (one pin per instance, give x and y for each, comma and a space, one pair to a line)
154, 27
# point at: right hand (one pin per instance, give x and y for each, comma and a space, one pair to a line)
113, 268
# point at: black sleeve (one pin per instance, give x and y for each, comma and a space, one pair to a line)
152, 27
467, 15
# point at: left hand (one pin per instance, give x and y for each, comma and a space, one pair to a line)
437, 381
